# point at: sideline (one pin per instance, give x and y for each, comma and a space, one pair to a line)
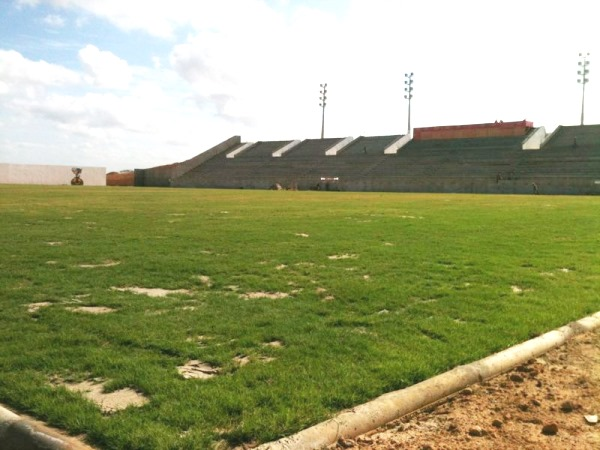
393, 405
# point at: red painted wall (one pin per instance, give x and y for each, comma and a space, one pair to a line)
119, 179
497, 129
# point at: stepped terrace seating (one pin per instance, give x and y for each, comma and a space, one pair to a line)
256, 167
262, 149
369, 145
452, 157
465, 144
458, 164
311, 147
571, 151
587, 136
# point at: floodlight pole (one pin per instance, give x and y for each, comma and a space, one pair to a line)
408, 96
583, 80
323, 99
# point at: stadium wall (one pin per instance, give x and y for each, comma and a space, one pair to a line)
162, 176
49, 175
496, 129
478, 185
538, 184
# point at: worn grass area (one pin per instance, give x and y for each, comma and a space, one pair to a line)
303, 303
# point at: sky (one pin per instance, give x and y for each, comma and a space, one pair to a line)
127, 84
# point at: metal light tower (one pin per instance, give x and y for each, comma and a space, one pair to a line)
408, 89
583, 80
323, 99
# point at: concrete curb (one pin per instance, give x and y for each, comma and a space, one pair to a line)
391, 406
17, 433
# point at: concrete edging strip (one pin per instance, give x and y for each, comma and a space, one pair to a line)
17, 433
393, 405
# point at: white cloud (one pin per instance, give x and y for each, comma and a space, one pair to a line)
247, 68
104, 69
161, 18
158, 18
54, 21
15, 70
78, 113
22, 78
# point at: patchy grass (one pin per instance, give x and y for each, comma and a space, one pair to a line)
363, 293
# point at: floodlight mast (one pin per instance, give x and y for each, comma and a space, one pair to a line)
408, 96
583, 80
323, 99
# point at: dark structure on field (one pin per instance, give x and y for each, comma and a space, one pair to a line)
512, 157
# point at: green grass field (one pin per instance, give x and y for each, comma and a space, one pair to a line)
383, 290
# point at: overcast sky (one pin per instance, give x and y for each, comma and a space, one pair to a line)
127, 84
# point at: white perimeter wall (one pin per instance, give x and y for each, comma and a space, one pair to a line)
51, 175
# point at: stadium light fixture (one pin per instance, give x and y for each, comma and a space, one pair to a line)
583, 80
323, 99
408, 96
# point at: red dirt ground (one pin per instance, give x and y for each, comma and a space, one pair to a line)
539, 405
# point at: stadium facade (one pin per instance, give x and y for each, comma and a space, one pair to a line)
500, 157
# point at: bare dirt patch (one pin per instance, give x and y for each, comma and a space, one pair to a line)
91, 309
152, 292
540, 405
107, 263
274, 344
266, 359
241, 360
54, 243
155, 312
35, 307
304, 235
205, 280
410, 217
188, 308
268, 295
201, 341
108, 402
304, 264
197, 369
344, 256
